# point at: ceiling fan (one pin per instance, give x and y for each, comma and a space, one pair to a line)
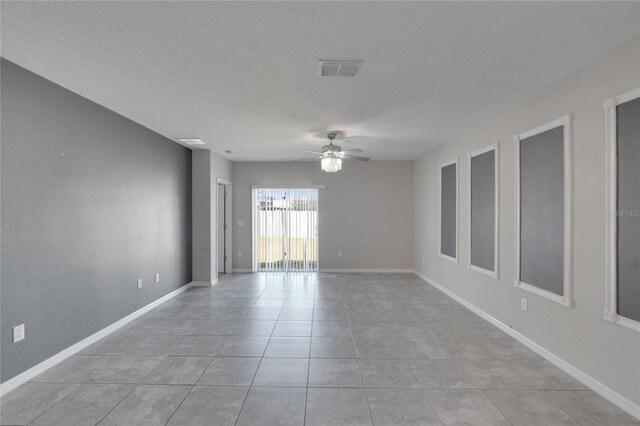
332, 155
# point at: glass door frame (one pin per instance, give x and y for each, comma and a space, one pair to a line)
254, 228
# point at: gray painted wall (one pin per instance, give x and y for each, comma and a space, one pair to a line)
91, 201
483, 210
448, 213
207, 168
542, 210
365, 212
628, 268
202, 216
606, 351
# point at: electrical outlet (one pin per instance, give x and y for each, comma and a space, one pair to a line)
240, 223
140, 283
523, 304
239, 254
157, 277
18, 333
339, 254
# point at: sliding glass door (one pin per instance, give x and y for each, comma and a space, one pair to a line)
285, 229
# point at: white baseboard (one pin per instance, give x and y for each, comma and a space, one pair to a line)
597, 386
38, 369
241, 270
367, 270
204, 283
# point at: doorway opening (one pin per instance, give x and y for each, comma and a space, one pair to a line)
223, 231
285, 229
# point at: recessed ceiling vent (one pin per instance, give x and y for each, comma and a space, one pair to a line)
334, 68
191, 141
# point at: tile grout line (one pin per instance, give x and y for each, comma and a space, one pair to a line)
366, 395
180, 404
306, 391
192, 387
119, 402
80, 384
496, 407
54, 404
255, 373
558, 407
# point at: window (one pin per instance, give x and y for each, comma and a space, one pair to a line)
622, 281
483, 214
449, 210
543, 211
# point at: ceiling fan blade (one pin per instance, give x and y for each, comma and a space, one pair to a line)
354, 150
355, 158
310, 159
313, 152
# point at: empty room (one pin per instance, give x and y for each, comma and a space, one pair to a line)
319, 213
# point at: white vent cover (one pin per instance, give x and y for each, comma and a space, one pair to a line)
191, 141
335, 68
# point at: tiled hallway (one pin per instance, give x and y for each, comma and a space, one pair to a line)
314, 349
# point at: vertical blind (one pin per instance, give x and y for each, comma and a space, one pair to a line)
285, 229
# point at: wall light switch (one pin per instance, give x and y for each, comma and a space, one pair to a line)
523, 304
241, 223
139, 283
339, 254
157, 277
422, 259
239, 254
18, 333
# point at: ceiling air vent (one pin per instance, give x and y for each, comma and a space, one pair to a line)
191, 141
333, 68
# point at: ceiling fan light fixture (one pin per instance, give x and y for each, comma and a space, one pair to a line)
331, 164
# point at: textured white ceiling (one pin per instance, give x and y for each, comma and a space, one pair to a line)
243, 75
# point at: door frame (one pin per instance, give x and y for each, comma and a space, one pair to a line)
228, 246
254, 245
